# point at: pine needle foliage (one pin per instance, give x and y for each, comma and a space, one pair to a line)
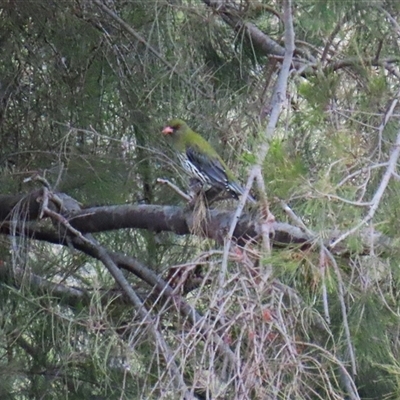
83, 98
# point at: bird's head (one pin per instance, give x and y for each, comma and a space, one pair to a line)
175, 128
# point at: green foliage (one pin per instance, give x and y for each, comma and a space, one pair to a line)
372, 326
282, 172
82, 103
319, 90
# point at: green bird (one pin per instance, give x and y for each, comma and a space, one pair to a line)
200, 159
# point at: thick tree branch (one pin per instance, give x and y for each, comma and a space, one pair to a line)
156, 218
260, 40
27, 205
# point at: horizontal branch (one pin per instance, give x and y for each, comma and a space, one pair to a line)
27, 205
180, 221
359, 61
25, 209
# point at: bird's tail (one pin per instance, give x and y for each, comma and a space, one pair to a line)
237, 190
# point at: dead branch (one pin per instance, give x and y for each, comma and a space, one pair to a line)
390, 170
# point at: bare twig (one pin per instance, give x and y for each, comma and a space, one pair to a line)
296, 219
348, 116
343, 309
386, 117
38, 178
343, 200
391, 168
232, 227
45, 202
174, 188
358, 172
279, 95
348, 383
396, 176
60, 173
266, 226
332, 36
392, 20
391, 68
322, 267
278, 98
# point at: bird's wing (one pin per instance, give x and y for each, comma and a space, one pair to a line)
209, 165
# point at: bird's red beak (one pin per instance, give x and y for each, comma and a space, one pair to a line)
167, 130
